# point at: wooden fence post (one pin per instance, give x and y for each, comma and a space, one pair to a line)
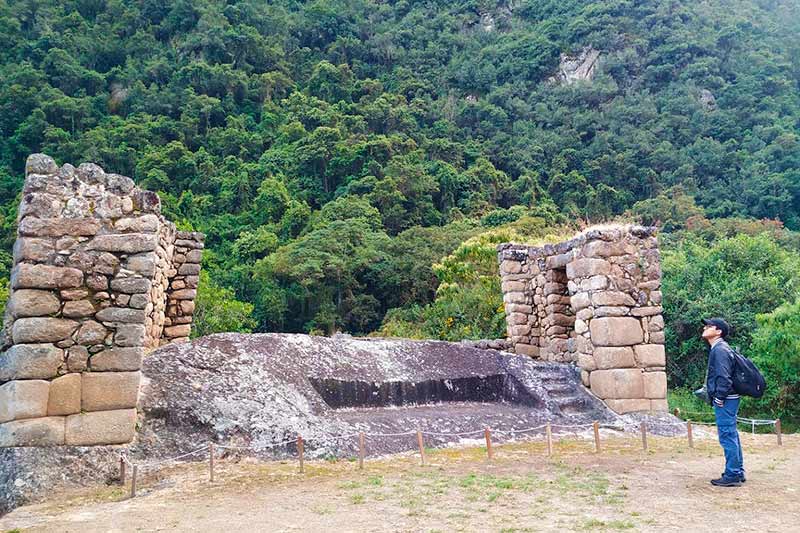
122, 469
778, 431
488, 434
421, 447
134, 471
689, 433
597, 437
361, 452
644, 435
300, 452
211, 461
549, 433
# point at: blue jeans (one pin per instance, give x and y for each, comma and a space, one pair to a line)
729, 438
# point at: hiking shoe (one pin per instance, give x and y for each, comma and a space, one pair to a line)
742, 479
726, 482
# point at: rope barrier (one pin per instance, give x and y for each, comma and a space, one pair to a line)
210, 446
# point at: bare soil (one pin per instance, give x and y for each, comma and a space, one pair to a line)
622, 488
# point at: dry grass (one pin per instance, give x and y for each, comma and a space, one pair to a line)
621, 489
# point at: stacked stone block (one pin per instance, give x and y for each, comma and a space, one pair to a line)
594, 300
89, 286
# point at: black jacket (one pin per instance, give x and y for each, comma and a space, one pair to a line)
719, 383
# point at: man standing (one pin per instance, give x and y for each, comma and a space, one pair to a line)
719, 385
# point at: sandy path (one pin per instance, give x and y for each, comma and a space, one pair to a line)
622, 488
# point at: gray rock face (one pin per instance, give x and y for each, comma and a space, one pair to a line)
577, 68
264, 389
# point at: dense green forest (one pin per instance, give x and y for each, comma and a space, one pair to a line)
353, 163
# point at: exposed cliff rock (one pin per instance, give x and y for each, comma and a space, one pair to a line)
578, 67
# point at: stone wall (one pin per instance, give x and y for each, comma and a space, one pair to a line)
99, 278
594, 300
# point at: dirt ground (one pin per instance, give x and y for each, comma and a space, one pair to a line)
521, 489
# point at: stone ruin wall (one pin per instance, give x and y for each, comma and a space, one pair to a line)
99, 278
594, 300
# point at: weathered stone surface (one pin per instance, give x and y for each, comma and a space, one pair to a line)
629, 406
144, 264
656, 323
146, 201
648, 355
91, 332
91, 173
23, 399
646, 311
527, 349
587, 362
655, 385
32, 249
612, 298
130, 243
188, 269
97, 282
583, 268
580, 301
509, 267
40, 204
611, 311
101, 427
138, 301
618, 383
120, 314
65, 395
47, 431
78, 309
119, 184
104, 391
616, 357
130, 335
58, 226
191, 294
616, 331
37, 330
118, 360
131, 285
182, 330
605, 249
30, 361
657, 337
194, 256
106, 263
27, 276
74, 294
77, 358
40, 164
32, 302
143, 224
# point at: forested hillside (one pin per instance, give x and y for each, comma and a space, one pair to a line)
335, 151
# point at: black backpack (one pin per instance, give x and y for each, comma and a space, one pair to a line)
747, 380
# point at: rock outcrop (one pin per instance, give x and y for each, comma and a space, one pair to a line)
578, 67
259, 390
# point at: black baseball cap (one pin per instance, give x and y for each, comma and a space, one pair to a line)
718, 323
